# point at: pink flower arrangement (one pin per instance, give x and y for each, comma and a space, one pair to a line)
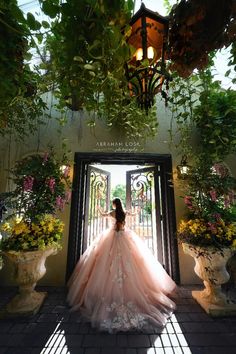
60, 203
28, 183
213, 195
48, 184
51, 184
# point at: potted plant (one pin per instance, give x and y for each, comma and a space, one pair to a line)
208, 232
33, 231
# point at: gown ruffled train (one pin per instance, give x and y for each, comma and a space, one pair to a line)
119, 286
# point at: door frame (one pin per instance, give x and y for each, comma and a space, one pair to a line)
81, 162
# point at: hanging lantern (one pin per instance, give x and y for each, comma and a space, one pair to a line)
183, 169
146, 71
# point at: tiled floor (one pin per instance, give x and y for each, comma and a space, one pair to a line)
55, 330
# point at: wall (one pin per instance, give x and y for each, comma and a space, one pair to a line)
80, 138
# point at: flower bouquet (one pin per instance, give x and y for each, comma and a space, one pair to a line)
211, 212
42, 188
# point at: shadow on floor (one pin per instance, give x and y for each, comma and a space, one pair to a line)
55, 330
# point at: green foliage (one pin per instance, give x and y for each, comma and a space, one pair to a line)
232, 63
88, 66
119, 191
20, 105
200, 105
215, 120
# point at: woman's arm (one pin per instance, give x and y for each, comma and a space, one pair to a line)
133, 213
103, 213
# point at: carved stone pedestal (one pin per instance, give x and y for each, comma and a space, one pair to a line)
29, 267
210, 266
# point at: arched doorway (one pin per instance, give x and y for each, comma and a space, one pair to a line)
149, 185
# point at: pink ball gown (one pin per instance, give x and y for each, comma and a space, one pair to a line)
118, 285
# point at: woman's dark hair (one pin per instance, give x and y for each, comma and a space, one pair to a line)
120, 214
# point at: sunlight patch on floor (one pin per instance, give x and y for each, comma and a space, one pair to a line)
170, 341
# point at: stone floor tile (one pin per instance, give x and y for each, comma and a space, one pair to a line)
48, 317
3, 350
139, 340
165, 340
169, 350
174, 340
113, 351
45, 327
202, 327
199, 317
92, 351
69, 328
207, 339
17, 328
131, 351
122, 340
24, 350
177, 327
60, 309
30, 327
73, 340
212, 350
180, 317
90, 340
99, 340
170, 328
36, 340
178, 350
11, 339
61, 351
186, 350
183, 308
146, 351
182, 339
5, 327
155, 341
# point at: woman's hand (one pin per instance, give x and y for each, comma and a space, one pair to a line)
102, 212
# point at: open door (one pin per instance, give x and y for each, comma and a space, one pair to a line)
97, 196
149, 187
142, 191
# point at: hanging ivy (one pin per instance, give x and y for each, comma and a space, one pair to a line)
196, 29
21, 108
87, 51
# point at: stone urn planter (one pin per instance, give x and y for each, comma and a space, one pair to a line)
210, 266
29, 267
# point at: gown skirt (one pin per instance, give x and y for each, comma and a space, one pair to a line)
118, 285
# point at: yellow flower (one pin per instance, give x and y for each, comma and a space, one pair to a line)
6, 227
234, 243
20, 228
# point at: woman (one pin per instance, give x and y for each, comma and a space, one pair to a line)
117, 284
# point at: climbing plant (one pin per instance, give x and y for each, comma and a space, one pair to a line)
21, 107
87, 68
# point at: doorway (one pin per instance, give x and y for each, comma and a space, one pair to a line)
148, 189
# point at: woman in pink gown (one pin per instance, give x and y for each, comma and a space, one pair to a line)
117, 284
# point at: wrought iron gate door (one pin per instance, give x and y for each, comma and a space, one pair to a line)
97, 196
143, 194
